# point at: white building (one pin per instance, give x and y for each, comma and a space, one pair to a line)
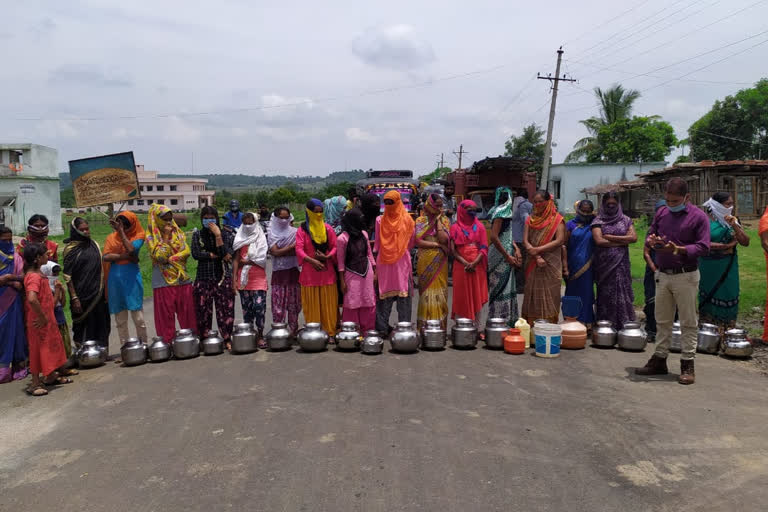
178, 194
567, 181
29, 184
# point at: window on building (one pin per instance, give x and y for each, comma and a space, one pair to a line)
174, 202
149, 188
160, 188
173, 188
141, 188
130, 203
16, 156
556, 189
161, 201
139, 202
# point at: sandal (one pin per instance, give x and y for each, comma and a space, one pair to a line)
69, 372
331, 340
262, 344
58, 381
38, 390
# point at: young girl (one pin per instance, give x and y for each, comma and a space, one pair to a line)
51, 270
356, 269
46, 349
248, 272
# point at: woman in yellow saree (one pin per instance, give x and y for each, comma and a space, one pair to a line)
433, 247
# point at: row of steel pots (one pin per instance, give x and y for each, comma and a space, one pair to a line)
632, 337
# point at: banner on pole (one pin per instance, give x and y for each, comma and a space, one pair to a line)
104, 179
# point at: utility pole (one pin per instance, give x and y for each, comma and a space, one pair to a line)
460, 153
441, 163
548, 146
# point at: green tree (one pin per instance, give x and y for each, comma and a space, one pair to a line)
640, 139
336, 189
615, 104
439, 172
735, 128
282, 197
529, 144
67, 197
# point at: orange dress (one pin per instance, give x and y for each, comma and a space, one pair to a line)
46, 348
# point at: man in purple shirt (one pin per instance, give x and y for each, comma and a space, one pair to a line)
680, 235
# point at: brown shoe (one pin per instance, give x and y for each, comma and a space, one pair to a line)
655, 366
687, 373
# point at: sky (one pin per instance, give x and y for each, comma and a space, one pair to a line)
308, 88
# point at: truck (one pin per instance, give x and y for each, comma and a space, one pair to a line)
480, 181
381, 182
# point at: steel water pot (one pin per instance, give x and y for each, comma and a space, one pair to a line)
404, 338
312, 338
349, 337
185, 345
244, 339
676, 341
279, 337
213, 344
632, 337
91, 355
464, 334
737, 344
495, 330
133, 352
433, 335
604, 335
708, 339
373, 343
159, 350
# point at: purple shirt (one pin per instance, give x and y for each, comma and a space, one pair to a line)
688, 228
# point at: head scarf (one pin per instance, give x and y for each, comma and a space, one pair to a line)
581, 219
505, 209
175, 251
334, 209
251, 236
356, 258
370, 204
134, 231
83, 268
605, 218
37, 235
718, 211
397, 228
315, 225
467, 229
543, 216
280, 231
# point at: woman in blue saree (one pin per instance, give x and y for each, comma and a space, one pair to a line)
580, 246
13, 343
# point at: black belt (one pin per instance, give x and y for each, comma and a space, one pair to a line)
679, 270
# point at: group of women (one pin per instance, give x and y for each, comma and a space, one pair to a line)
354, 268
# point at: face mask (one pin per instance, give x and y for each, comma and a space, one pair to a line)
37, 232
585, 219
678, 208
208, 222
539, 209
612, 209
472, 213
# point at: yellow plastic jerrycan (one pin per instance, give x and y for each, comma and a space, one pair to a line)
525, 331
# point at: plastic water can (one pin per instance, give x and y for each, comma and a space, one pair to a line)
525, 331
548, 337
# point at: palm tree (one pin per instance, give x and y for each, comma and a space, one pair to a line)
615, 104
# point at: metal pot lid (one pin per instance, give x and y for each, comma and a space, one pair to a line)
465, 322
632, 325
372, 334
604, 323
404, 325
184, 332
279, 325
709, 327
736, 332
212, 333
349, 326
90, 343
498, 322
313, 326
244, 326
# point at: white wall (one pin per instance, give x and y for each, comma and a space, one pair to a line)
575, 177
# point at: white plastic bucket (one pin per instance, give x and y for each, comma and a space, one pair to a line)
548, 337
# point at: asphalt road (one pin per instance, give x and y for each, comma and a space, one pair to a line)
445, 431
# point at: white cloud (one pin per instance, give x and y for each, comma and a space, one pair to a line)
180, 131
360, 135
394, 47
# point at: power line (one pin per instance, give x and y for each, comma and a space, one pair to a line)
693, 80
270, 107
678, 38
601, 25
639, 28
646, 35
